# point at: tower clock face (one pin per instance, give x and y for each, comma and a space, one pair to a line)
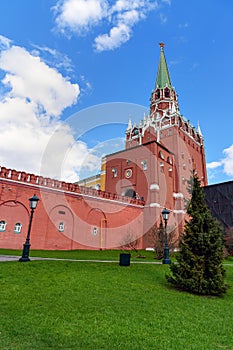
128, 173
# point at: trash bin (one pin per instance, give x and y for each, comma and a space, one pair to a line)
124, 259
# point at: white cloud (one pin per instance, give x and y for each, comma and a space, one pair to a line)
130, 17
4, 42
53, 57
228, 161
213, 165
91, 163
67, 156
78, 16
83, 160
28, 77
117, 36
225, 165
34, 96
128, 5
126, 14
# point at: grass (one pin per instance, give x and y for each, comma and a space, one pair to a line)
90, 306
82, 254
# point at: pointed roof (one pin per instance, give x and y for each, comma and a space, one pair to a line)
199, 129
163, 77
130, 123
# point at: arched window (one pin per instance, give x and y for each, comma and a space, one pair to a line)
61, 226
161, 155
167, 93
18, 227
144, 164
129, 193
169, 160
135, 132
2, 226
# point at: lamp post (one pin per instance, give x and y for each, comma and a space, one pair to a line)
26, 247
166, 259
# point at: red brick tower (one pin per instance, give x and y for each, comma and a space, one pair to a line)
161, 153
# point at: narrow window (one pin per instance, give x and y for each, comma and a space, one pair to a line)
161, 155
95, 231
169, 160
18, 227
114, 171
161, 167
144, 165
61, 227
2, 226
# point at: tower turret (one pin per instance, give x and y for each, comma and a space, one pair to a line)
163, 97
163, 77
165, 125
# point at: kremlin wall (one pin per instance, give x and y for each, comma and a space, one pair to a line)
126, 199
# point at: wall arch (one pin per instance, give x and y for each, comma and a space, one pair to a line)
14, 212
97, 233
54, 237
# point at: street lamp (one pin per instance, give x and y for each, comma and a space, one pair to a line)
166, 259
26, 247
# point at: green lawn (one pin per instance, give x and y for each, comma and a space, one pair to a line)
82, 254
71, 305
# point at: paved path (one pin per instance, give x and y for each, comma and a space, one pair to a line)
16, 258
11, 258
8, 258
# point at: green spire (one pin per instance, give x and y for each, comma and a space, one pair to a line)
163, 77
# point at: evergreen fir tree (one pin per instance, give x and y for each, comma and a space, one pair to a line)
199, 268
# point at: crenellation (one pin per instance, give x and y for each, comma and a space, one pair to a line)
57, 184
40, 180
33, 178
14, 174
23, 176
3, 172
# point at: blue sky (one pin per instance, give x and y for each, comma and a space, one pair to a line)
73, 71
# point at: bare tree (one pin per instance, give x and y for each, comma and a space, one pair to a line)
130, 242
157, 238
